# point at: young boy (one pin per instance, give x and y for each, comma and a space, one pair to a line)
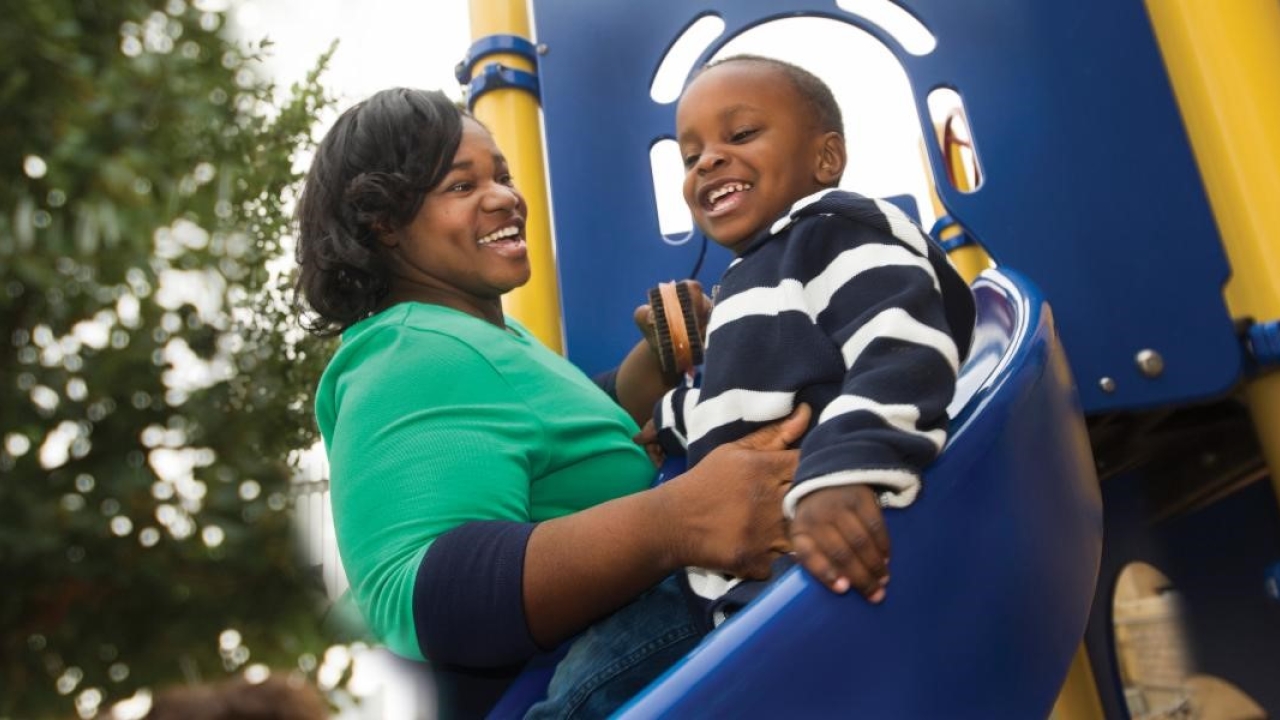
833, 299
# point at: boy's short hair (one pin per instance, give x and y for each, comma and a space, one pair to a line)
811, 88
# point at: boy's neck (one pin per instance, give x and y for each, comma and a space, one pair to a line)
782, 220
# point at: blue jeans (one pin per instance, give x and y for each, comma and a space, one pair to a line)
617, 657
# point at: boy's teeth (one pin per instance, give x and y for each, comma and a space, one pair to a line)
725, 190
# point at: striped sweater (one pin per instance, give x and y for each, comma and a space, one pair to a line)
845, 304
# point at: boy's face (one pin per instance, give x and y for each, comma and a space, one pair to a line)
750, 150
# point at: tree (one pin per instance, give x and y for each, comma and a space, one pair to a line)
152, 383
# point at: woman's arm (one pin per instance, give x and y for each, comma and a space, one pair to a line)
723, 514
431, 500
640, 383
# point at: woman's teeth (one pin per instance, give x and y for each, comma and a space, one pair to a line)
506, 232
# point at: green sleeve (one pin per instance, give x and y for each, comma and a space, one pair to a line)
426, 435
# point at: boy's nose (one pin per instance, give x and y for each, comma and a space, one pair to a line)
710, 161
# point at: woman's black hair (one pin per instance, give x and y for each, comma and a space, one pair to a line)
369, 177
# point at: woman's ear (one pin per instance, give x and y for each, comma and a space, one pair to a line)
386, 238
832, 158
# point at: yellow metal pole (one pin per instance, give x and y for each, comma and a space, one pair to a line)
1078, 698
513, 116
1222, 59
969, 260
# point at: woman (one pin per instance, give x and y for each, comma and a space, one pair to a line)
489, 501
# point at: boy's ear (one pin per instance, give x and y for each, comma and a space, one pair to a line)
832, 158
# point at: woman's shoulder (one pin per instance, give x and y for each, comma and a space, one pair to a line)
419, 324
414, 336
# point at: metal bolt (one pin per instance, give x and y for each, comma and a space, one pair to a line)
542, 48
1149, 362
1107, 384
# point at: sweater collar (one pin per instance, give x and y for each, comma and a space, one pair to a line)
783, 222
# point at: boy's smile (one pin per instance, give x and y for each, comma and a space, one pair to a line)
749, 148
722, 198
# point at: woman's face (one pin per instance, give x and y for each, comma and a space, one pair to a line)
466, 247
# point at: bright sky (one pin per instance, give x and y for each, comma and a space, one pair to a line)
382, 43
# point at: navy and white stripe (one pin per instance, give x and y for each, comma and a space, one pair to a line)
847, 305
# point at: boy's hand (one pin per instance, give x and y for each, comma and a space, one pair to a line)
838, 535
643, 315
648, 439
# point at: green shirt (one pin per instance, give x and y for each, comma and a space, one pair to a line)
433, 418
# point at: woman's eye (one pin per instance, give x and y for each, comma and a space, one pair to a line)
507, 180
460, 187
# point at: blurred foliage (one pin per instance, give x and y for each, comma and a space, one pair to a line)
153, 385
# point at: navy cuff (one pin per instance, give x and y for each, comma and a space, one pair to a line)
468, 597
608, 382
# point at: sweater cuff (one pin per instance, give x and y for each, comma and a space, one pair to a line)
895, 488
608, 382
669, 419
468, 597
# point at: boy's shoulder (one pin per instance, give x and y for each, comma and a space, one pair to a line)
824, 226
882, 220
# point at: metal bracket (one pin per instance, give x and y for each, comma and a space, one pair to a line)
1263, 342
497, 75
951, 243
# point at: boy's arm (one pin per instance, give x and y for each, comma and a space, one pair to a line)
873, 440
668, 428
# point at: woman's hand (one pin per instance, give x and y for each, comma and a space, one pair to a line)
727, 510
647, 438
725, 514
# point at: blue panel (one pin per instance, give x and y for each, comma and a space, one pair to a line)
1089, 184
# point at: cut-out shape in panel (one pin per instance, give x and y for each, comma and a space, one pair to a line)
954, 137
667, 170
895, 20
675, 68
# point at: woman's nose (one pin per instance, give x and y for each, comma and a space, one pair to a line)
502, 197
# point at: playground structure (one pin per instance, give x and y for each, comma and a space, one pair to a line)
1123, 386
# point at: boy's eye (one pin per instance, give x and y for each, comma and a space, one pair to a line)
690, 161
741, 135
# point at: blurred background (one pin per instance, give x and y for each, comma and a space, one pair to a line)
155, 393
